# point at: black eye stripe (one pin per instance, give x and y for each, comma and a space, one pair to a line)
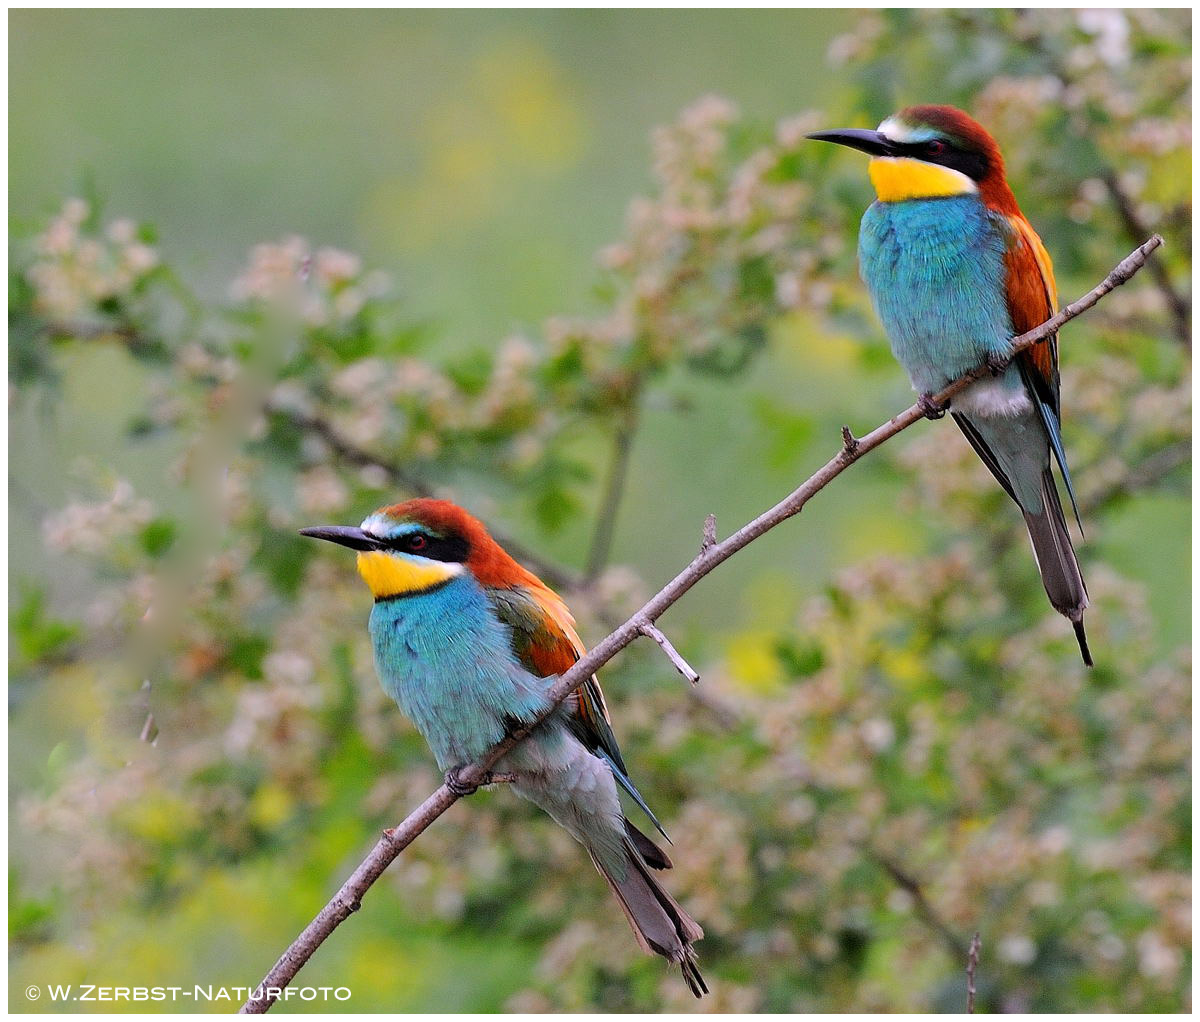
974, 165
453, 549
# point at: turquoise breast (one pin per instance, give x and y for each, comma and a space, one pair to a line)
935, 271
447, 660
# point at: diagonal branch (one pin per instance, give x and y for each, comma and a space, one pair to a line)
614, 490
1150, 471
393, 842
910, 884
348, 451
1178, 304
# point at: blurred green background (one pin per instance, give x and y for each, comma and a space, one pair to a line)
482, 159
482, 155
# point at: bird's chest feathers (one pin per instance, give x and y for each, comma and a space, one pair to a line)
447, 660
935, 270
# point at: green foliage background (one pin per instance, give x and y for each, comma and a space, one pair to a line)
894, 744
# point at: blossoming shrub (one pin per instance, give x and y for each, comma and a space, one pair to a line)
914, 755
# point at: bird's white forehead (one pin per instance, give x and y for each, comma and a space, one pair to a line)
382, 527
898, 130
372, 525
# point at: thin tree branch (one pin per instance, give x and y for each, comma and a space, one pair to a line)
972, 965
1179, 305
614, 490
1145, 474
907, 882
554, 574
350, 452
149, 729
1142, 477
90, 331
395, 841
652, 631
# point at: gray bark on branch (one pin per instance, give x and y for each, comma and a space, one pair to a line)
972, 965
652, 631
395, 840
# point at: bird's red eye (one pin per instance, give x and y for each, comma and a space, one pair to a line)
417, 542
935, 147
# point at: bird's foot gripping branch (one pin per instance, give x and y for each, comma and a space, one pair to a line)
712, 553
931, 408
461, 789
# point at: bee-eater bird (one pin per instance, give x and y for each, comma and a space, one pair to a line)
955, 271
467, 642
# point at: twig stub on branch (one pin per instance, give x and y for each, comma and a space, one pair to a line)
972, 965
652, 631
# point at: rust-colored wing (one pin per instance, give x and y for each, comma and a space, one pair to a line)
546, 643
1032, 299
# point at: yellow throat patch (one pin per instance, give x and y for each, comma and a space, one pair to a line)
392, 575
897, 178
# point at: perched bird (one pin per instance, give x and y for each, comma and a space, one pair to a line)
467, 641
955, 271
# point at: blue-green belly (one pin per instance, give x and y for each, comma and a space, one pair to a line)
448, 662
935, 271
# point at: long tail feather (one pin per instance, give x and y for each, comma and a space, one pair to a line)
655, 857
1049, 417
1057, 562
658, 921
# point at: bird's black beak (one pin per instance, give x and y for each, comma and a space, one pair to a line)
344, 535
871, 142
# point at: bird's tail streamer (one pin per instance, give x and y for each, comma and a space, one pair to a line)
659, 922
1057, 562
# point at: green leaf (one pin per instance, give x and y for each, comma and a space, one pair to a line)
29, 919
471, 373
40, 637
801, 658
246, 654
554, 507
158, 536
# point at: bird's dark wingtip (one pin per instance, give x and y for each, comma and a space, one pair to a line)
1081, 635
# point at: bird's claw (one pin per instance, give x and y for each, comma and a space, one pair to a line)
996, 364
453, 780
930, 408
